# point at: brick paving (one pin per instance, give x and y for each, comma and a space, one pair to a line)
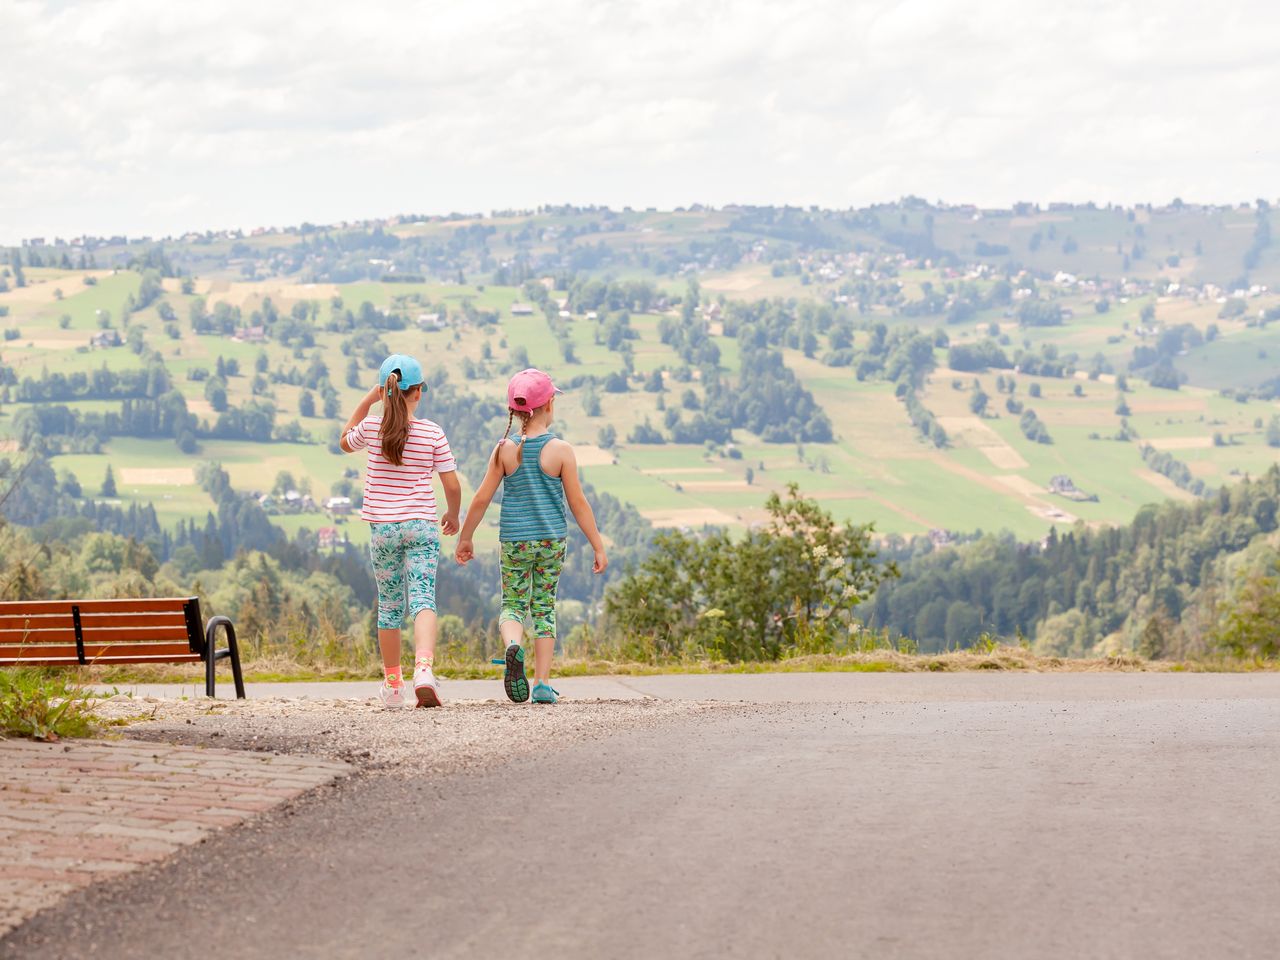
79, 811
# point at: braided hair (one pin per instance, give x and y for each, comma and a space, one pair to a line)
525, 416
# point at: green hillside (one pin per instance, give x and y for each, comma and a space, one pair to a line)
1069, 299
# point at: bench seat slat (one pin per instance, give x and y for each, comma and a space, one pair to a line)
11, 608
61, 652
99, 661
19, 638
65, 621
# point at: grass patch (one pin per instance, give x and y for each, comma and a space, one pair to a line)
43, 705
1000, 657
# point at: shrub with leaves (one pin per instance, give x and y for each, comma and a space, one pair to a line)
1251, 626
784, 587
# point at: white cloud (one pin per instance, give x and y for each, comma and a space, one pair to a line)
143, 116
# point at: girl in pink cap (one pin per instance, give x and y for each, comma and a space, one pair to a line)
539, 475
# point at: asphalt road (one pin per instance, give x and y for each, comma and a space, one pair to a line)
1118, 820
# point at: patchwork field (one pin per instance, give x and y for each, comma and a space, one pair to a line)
878, 468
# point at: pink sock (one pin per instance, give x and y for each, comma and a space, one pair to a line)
393, 676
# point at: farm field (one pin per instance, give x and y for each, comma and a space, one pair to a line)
878, 468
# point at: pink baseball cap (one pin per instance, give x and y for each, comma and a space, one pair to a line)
529, 389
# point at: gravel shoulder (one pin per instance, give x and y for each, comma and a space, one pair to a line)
460, 736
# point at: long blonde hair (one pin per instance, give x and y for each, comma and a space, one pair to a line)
525, 416
394, 430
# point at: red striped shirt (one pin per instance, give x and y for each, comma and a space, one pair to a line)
394, 493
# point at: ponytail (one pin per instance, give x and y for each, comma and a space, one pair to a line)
524, 416
394, 431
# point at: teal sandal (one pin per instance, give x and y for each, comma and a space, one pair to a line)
545, 693
513, 678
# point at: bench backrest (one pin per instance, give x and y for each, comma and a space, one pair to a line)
63, 632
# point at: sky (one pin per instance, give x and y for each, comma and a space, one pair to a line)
150, 117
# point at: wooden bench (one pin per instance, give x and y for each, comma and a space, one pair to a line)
161, 630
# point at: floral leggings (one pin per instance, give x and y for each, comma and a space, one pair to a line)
405, 556
530, 575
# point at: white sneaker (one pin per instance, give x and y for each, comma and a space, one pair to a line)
427, 687
392, 697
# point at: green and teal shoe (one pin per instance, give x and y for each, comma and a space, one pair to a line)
545, 693
513, 678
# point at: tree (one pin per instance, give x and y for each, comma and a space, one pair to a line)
1273, 432
215, 391
284, 483
608, 436
69, 485
109, 484
307, 404
978, 401
790, 585
962, 625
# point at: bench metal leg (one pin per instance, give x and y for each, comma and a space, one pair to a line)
213, 655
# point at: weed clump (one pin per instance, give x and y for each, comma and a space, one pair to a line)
43, 705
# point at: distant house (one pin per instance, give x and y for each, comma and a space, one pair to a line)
592, 315
940, 538
338, 505
431, 321
250, 335
105, 338
328, 537
566, 315
1062, 484
522, 309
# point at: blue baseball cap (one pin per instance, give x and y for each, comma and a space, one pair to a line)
409, 369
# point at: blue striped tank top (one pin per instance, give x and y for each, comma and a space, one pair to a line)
532, 501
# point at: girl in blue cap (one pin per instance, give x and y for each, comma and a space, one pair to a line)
400, 507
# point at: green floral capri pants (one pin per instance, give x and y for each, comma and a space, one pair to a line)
530, 575
405, 556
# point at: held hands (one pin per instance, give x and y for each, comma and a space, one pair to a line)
601, 562
464, 552
449, 524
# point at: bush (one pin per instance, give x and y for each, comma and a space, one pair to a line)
1252, 623
786, 587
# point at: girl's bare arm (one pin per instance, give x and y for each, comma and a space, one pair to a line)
453, 500
361, 411
475, 512
580, 508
